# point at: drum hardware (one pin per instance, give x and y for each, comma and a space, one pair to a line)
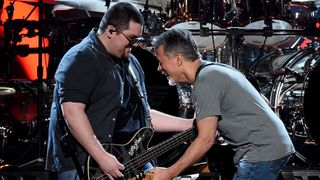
152, 14
13, 35
19, 110
12, 30
186, 105
153, 25
154, 22
293, 95
289, 71
99, 6
4, 137
235, 38
235, 34
189, 10
296, 75
37, 1
267, 15
301, 13
200, 33
297, 126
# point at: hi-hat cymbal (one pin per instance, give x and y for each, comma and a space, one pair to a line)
97, 5
37, 1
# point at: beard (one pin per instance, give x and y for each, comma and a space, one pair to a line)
171, 82
126, 54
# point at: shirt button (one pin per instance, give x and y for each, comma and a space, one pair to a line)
109, 135
113, 119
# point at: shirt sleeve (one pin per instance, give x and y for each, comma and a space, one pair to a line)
76, 76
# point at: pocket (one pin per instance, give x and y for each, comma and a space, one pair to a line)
277, 165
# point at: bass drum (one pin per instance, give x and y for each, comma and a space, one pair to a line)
272, 41
252, 16
203, 42
294, 97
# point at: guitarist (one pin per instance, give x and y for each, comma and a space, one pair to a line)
226, 101
100, 97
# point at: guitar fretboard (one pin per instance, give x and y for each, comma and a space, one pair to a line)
159, 149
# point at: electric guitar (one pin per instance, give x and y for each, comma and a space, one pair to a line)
135, 153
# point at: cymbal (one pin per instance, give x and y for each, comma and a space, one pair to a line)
7, 91
97, 5
37, 1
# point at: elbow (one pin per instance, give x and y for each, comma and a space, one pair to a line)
211, 141
207, 141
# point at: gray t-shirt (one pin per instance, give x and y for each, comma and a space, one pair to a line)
245, 119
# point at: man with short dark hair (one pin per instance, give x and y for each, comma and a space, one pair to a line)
100, 97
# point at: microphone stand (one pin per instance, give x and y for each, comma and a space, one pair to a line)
40, 80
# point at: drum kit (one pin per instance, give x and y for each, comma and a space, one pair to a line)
262, 38
19, 112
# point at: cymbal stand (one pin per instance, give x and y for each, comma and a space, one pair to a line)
10, 41
4, 134
145, 13
107, 3
40, 160
235, 39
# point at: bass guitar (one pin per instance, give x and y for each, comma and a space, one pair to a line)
135, 153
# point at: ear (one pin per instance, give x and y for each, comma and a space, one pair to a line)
179, 59
110, 30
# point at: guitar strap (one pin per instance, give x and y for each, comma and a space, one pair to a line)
139, 90
68, 143
205, 64
202, 65
142, 97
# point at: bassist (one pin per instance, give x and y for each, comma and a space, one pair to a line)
100, 96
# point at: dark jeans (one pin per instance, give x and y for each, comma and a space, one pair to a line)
265, 170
